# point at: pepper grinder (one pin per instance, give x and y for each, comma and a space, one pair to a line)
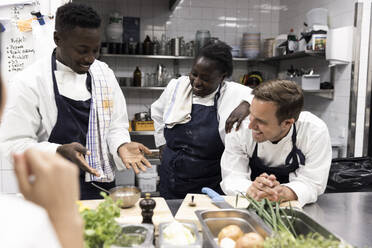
147, 206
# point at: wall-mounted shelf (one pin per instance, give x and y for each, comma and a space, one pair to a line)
146, 56
143, 88
276, 58
141, 132
328, 94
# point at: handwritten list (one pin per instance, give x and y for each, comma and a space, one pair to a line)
18, 54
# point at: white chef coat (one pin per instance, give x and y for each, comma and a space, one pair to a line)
231, 95
308, 182
31, 111
25, 225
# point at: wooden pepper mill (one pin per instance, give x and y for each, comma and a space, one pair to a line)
147, 206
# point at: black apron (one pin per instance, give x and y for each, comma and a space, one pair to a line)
72, 126
281, 172
191, 157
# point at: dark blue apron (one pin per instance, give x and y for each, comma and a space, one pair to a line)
191, 157
72, 126
281, 172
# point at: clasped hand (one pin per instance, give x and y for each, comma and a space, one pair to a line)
266, 186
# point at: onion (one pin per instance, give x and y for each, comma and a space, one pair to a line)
250, 240
231, 231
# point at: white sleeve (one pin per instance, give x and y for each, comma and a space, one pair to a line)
246, 94
157, 113
235, 170
310, 181
118, 133
36, 229
21, 121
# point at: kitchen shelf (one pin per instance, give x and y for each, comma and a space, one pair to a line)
169, 57
146, 56
141, 132
143, 88
295, 55
328, 94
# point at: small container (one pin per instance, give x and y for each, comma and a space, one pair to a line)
191, 226
140, 232
147, 181
310, 82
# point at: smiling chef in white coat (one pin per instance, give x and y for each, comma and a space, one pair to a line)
280, 153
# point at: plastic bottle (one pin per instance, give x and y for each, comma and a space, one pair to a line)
137, 76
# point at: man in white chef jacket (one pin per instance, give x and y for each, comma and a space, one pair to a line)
280, 153
70, 103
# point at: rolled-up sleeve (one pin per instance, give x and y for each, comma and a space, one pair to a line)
118, 133
157, 113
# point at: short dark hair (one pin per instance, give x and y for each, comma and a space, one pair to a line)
287, 95
71, 15
220, 53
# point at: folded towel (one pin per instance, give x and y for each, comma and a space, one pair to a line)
178, 109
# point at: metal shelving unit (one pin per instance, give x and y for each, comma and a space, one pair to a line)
328, 94
141, 132
143, 88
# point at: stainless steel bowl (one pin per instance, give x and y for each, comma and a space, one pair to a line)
129, 195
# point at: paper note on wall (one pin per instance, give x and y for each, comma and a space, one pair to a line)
17, 52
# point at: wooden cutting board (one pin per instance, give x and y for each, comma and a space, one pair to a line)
186, 213
133, 215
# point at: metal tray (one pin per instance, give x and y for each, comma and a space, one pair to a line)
212, 221
304, 224
145, 230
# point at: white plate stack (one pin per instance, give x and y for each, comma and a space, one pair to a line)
251, 45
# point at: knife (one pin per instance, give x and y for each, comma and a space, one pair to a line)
216, 198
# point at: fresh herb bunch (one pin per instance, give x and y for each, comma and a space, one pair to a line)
284, 232
312, 240
100, 227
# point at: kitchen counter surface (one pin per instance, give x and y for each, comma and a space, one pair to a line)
348, 215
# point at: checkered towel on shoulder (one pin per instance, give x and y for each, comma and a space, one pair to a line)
99, 122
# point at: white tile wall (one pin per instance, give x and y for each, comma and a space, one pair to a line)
226, 19
336, 112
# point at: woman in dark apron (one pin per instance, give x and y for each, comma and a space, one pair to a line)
72, 126
192, 154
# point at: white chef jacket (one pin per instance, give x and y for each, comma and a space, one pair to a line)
31, 111
25, 225
231, 95
308, 182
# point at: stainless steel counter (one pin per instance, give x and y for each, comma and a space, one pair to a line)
348, 215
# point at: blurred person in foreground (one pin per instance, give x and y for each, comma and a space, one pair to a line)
49, 216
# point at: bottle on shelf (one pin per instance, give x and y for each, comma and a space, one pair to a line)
155, 46
292, 45
137, 76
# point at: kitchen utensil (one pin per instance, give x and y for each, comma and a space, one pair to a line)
216, 198
100, 188
192, 203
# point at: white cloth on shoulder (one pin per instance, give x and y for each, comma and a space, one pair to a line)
101, 109
179, 106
